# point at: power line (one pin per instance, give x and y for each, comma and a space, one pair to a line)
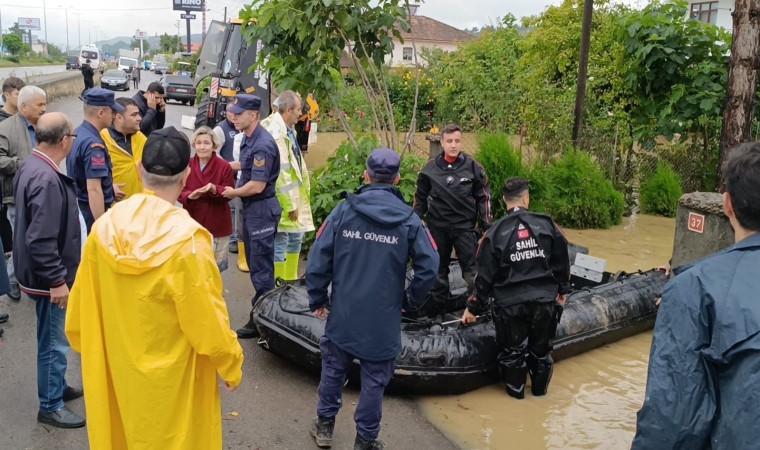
85, 9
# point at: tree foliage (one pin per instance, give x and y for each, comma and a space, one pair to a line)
475, 86
14, 43
167, 43
305, 40
676, 69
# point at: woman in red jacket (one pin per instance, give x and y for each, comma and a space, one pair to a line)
202, 195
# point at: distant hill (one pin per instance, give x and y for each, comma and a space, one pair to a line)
116, 42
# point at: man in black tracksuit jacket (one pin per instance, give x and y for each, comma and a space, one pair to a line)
152, 107
523, 265
452, 196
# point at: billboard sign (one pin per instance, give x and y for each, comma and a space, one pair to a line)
187, 16
30, 23
141, 35
188, 5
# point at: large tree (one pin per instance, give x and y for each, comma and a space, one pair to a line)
305, 40
739, 110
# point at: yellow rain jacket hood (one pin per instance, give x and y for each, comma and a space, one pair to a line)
147, 314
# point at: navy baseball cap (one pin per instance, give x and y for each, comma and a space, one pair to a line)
101, 97
166, 153
245, 102
383, 164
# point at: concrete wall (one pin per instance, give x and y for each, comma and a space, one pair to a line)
716, 234
60, 85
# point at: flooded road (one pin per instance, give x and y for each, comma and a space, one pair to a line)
593, 397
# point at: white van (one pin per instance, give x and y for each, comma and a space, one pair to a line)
126, 64
92, 53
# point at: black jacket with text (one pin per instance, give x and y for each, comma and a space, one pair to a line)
453, 196
522, 257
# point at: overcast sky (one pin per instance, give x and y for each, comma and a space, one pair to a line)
121, 18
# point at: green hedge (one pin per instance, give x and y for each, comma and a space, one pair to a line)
344, 173
577, 195
660, 191
501, 162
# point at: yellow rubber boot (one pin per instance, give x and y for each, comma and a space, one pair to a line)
279, 270
242, 263
291, 266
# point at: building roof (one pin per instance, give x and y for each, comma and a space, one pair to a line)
427, 29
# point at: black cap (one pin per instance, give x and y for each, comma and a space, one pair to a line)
166, 153
101, 97
383, 164
245, 102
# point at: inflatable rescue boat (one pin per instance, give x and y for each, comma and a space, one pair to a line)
439, 356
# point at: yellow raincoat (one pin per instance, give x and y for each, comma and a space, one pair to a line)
147, 314
125, 165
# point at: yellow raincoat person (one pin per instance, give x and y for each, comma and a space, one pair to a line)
125, 164
147, 314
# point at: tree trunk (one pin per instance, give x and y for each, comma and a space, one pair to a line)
739, 108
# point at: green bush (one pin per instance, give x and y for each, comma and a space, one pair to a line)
660, 191
13, 58
501, 162
577, 195
344, 174
202, 89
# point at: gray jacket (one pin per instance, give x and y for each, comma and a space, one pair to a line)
15, 146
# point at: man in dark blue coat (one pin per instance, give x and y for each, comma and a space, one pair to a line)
363, 248
703, 386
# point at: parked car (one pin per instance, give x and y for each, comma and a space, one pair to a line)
179, 87
161, 69
115, 79
72, 62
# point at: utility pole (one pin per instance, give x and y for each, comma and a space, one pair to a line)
739, 109
44, 18
79, 29
580, 93
225, 13
1, 31
179, 41
67, 31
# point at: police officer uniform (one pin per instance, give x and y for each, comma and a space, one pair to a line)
523, 264
89, 158
259, 161
451, 197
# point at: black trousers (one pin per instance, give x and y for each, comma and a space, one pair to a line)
524, 332
465, 242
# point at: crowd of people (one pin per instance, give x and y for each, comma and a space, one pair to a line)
133, 282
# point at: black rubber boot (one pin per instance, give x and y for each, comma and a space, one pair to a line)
515, 378
248, 331
541, 370
361, 444
322, 431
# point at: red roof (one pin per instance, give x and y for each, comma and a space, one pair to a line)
427, 29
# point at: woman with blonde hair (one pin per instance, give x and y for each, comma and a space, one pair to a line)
202, 195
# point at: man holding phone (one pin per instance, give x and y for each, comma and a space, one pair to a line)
152, 107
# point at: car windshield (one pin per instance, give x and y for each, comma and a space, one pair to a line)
179, 80
115, 73
72, 59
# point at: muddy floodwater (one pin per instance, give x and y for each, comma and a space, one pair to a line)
593, 398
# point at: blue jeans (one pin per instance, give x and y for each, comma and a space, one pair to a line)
375, 375
286, 242
52, 347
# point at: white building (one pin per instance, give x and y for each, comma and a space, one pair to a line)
714, 12
428, 33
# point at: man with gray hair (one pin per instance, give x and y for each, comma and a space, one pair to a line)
47, 250
293, 186
17, 136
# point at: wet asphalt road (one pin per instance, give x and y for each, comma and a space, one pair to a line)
274, 404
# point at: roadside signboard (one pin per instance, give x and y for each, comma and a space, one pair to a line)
29, 23
188, 5
187, 16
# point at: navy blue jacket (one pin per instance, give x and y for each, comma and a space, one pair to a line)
703, 385
363, 248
